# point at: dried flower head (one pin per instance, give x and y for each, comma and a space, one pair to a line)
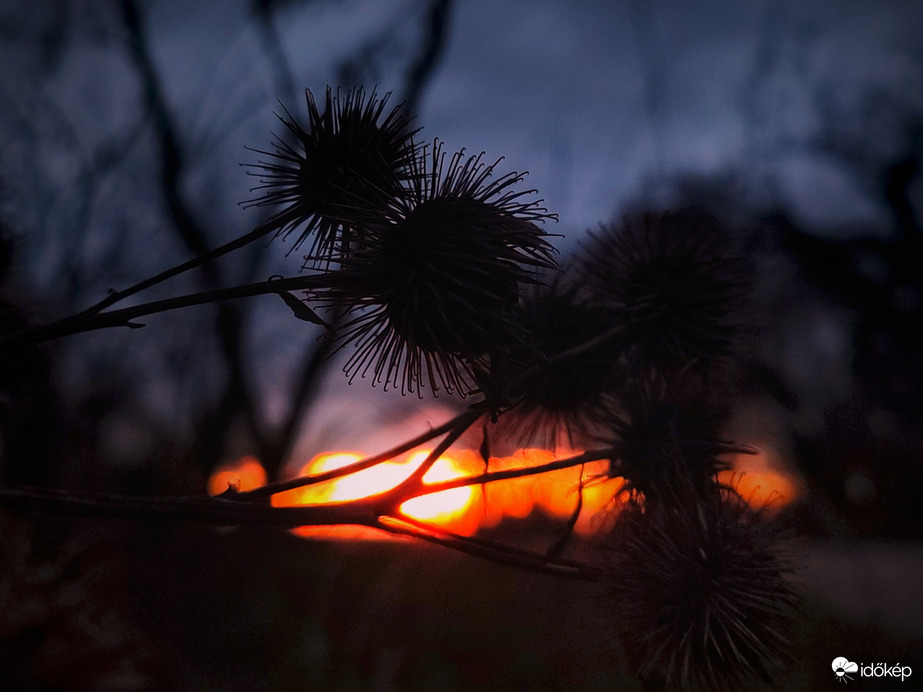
557, 381
351, 152
704, 592
438, 275
673, 281
667, 434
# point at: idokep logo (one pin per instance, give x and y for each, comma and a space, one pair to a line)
845, 670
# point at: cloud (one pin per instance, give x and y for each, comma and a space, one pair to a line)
844, 664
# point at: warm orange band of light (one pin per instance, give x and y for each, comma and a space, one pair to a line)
246, 473
466, 510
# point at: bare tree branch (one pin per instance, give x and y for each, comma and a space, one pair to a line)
422, 69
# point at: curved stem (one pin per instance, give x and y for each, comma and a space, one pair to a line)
368, 462
409, 488
490, 550
197, 261
220, 511
239, 508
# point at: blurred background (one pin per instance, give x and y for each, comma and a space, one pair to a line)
123, 127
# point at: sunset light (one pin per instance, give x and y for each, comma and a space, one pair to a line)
245, 474
468, 509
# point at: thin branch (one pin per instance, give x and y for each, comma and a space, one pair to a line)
368, 462
89, 321
408, 488
222, 511
498, 552
559, 544
197, 261
480, 541
213, 510
422, 69
230, 509
492, 476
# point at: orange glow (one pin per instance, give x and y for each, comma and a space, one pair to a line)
245, 474
467, 509
456, 509
761, 479
554, 493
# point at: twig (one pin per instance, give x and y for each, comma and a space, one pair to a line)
559, 544
480, 541
197, 261
212, 510
492, 476
408, 488
495, 552
368, 462
377, 511
89, 321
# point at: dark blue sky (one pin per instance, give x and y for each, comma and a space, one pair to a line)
600, 101
603, 102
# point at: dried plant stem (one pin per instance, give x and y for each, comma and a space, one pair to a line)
412, 486
494, 551
378, 511
506, 474
197, 261
241, 508
210, 510
89, 321
465, 419
220, 511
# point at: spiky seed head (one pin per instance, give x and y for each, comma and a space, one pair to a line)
667, 434
356, 149
557, 379
704, 593
437, 277
673, 281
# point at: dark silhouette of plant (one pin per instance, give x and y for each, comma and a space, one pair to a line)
441, 277
436, 275
674, 282
350, 151
704, 592
557, 381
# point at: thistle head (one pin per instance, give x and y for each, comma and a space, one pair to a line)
557, 381
437, 277
674, 284
704, 591
667, 437
356, 149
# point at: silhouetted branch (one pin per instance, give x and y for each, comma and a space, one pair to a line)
197, 261
494, 551
507, 474
86, 321
219, 511
377, 511
468, 417
421, 70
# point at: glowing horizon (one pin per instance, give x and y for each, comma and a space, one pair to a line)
466, 510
